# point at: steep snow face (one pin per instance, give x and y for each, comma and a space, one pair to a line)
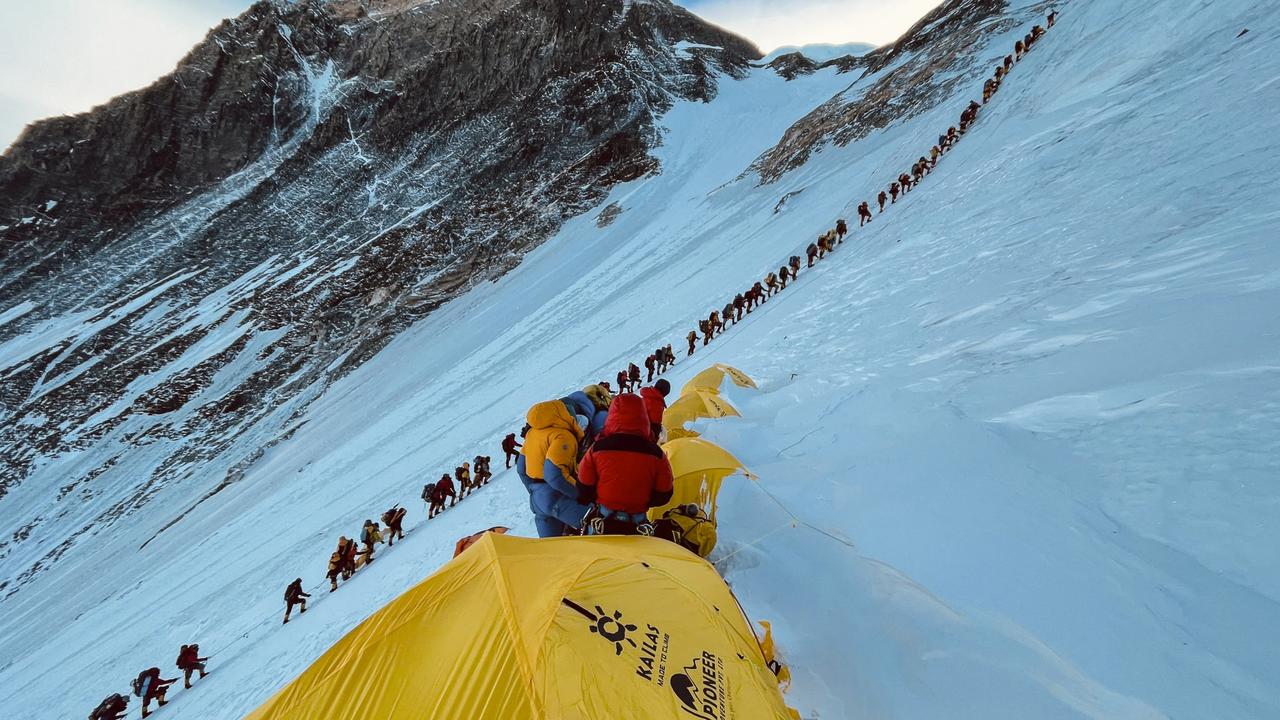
1017, 439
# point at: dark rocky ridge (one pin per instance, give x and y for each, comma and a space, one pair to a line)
311, 179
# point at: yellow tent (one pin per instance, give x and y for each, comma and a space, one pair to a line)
604, 628
699, 468
713, 377
691, 406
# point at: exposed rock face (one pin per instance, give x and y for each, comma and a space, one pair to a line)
185, 268
795, 64
929, 62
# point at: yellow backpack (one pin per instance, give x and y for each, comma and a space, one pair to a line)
694, 532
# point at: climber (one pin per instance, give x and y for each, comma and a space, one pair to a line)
988, 88
113, 707
916, 172
347, 550
739, 304
758, 296
1027, 43
882, 197
293, 595
597, 400
693, 341
1036, 33
189, 661
445, 489
952, 137
841, 230
864, 211
480, 466
625, 473
633, 376
1019, 47
622, 381
965, 117
334, 569
771, 283
671, 356
394, 520
150, 686
655, 403
370, 535
795, 267
650, 365
905, 181
548, 463
894, 189
811, 252
942, 143
509, 446
727, 312
465, 484
1053, 17
822, 246
934, 153
714, 325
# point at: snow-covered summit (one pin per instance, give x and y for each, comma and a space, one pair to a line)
820, 52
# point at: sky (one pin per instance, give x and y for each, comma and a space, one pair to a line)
67, 56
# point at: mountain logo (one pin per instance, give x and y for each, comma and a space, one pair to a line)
700, 687
608, 626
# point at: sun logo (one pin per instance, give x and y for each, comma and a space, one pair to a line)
609, 627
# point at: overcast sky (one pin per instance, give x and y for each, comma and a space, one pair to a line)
66, 56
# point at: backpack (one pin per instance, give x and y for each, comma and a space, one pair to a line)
694, 533
139, 681
182, 658
428, 491
111, 706
388, 516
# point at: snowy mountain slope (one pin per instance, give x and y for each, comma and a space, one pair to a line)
210, 252
1038, 398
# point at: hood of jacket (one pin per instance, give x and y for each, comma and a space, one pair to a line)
553, 414
628, 416
579, 403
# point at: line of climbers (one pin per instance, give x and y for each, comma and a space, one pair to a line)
719, 320
657, 363
591, 461
149, 686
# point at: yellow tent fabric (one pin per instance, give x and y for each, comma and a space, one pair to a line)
699, 468
603, 628
712, 378
691, 406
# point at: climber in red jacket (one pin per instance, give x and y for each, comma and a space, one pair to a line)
625, 472
655, 403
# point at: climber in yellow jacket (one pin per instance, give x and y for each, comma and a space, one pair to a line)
549, 460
